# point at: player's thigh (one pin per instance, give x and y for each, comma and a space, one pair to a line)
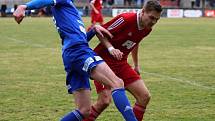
79, 61
76, 81
82, 99
138, 89
125, 72
106, 76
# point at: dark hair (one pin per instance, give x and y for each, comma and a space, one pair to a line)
153, 5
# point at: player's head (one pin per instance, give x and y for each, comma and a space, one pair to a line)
150, 13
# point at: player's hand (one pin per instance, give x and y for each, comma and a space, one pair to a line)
101, 31
19, 14
137, 69
116, 53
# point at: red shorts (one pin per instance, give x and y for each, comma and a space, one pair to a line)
96, 17
123, 71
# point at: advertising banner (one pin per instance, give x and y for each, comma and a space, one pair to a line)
209, 13
116, 12
193, 13
175, 13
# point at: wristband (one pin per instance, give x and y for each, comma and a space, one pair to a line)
110, 49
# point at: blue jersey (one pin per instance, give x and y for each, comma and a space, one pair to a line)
68, 23
78, 58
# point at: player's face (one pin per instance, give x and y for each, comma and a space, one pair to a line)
150, 18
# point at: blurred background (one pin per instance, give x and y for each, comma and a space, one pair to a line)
172, 8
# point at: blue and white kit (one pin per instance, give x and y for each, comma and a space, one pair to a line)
78, 58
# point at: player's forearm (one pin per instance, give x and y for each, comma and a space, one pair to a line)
36, 4
134, 54
105, 42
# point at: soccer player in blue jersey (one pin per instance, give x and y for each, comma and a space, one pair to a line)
80, 61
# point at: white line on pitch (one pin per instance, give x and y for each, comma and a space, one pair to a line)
27, 43
180, 80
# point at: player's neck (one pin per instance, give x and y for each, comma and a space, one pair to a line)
141, 22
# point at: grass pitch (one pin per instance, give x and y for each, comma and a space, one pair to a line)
177, 61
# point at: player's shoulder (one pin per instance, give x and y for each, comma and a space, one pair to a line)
127, 15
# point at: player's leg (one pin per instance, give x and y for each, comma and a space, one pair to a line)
77, 82
89, 63
93, 21
104, 99
136, 86
100, 19
139, 90
102, 102
78, 85
105, 75
82, 101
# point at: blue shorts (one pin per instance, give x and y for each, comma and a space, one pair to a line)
78, 61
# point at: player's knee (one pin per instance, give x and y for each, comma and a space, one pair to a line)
105, 102
118, 83
147, 96
85, 112
144, 98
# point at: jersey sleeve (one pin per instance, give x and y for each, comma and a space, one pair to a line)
62, 2
116, 24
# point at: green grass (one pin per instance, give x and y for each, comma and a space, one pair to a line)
177, 61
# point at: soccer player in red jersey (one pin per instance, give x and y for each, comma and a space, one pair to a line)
128, 30
96, 12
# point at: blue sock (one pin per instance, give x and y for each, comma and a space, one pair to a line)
73, 116
123, 105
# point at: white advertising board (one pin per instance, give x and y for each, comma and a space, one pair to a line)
193, 13
175, 13
116, 12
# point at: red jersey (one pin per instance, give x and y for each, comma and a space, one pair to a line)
97, 4
126, 32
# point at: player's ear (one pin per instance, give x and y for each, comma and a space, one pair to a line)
143, 11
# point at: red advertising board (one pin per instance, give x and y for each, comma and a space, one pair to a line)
209, 13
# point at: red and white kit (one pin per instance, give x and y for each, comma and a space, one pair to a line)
94, 16
127, 34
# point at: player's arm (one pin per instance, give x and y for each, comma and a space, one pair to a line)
134, 54
116, 53
97, 29
113, 26
93, 7
19, 14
